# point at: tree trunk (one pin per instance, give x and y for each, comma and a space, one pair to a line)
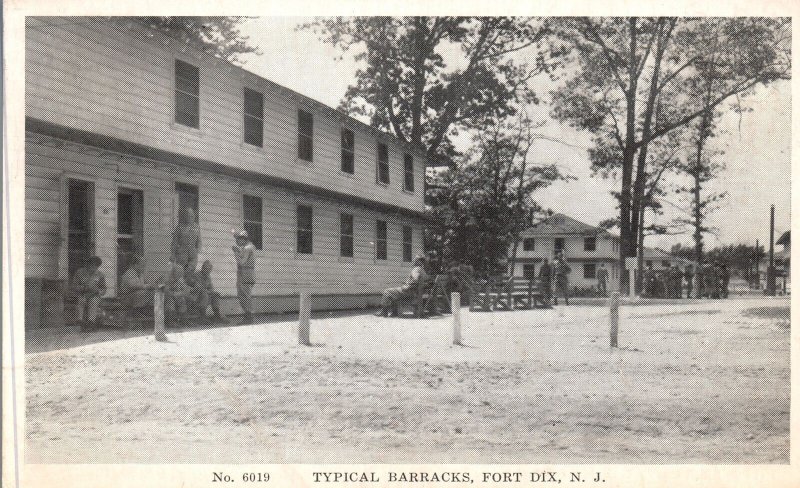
639, 253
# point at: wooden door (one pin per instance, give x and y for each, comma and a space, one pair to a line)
80, 223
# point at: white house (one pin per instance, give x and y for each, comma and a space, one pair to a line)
585, 247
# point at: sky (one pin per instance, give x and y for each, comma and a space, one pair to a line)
756, 145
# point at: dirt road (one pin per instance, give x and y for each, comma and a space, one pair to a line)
692, 383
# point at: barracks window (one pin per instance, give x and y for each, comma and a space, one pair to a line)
408, 244
348, 151
528, 244
408, 166
305, 136
383, 163
589, 243
346, 235
253, 117
253, 224
187, 94
380, 240
305, 230
589, 271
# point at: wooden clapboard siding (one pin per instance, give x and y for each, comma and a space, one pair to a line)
280, 271
111, 79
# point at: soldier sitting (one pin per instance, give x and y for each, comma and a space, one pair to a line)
176, 294
89, 286
203, 294
392, 296
136, 296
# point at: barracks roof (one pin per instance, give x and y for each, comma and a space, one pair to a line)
560, 224
784, 239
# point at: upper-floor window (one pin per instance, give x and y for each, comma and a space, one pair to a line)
589, 243
380, 240
408, 246
346, 235
383, 163
187, 94
558, 244
305, 230
253, 117
528, 244
348, 151
408, 166
253, 223
305, 136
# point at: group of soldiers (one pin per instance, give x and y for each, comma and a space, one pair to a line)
712, 281
556, 274
185, 287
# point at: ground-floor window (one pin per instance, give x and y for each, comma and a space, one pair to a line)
407, 243
380, 240
253, 224
589, 271
529, 270
305, 230
346, 235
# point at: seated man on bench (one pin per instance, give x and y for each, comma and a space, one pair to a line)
135, 296
203, 294
391, 296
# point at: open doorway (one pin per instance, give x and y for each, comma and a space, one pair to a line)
129, 228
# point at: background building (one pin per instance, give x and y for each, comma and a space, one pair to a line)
126, 127
585, 247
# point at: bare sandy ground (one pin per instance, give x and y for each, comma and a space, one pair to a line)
693, 383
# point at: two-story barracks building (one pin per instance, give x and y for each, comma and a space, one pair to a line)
126, 127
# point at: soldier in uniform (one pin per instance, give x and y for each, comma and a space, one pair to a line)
545, 279
89, 286
186, 241
561, 271
198, 295
211, 294
602, 280
688, 274
650, 281
725, 278
710, 281
391, 296
134, 293
245, 274
176, 294
677, 282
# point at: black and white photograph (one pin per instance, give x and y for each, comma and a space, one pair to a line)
427, 240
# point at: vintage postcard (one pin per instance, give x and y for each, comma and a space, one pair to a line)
405, 245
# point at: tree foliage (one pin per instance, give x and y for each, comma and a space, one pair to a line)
427, 78
478, 208
220, 36
636, 80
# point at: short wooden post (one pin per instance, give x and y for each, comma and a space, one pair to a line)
158, 315
614, 317
455, 305
304, 322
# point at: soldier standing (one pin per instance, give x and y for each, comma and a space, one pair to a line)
725, 278
245, 274
561, 270
545, 282
650, 281
688, 274
602, 279
186, 241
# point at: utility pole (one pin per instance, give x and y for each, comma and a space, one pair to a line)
771, 268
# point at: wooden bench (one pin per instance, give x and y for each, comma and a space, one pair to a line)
517, 293
481, 295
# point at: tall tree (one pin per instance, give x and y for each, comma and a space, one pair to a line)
427, 78
634, 84
479, 207
220, 36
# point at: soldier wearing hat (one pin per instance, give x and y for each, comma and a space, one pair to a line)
391, 296
186, 241
244, 251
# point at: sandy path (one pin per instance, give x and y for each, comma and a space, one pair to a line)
693, 383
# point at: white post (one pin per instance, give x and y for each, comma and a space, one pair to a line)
632, 283
304, 322
158, 315
614, 317
455, 305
